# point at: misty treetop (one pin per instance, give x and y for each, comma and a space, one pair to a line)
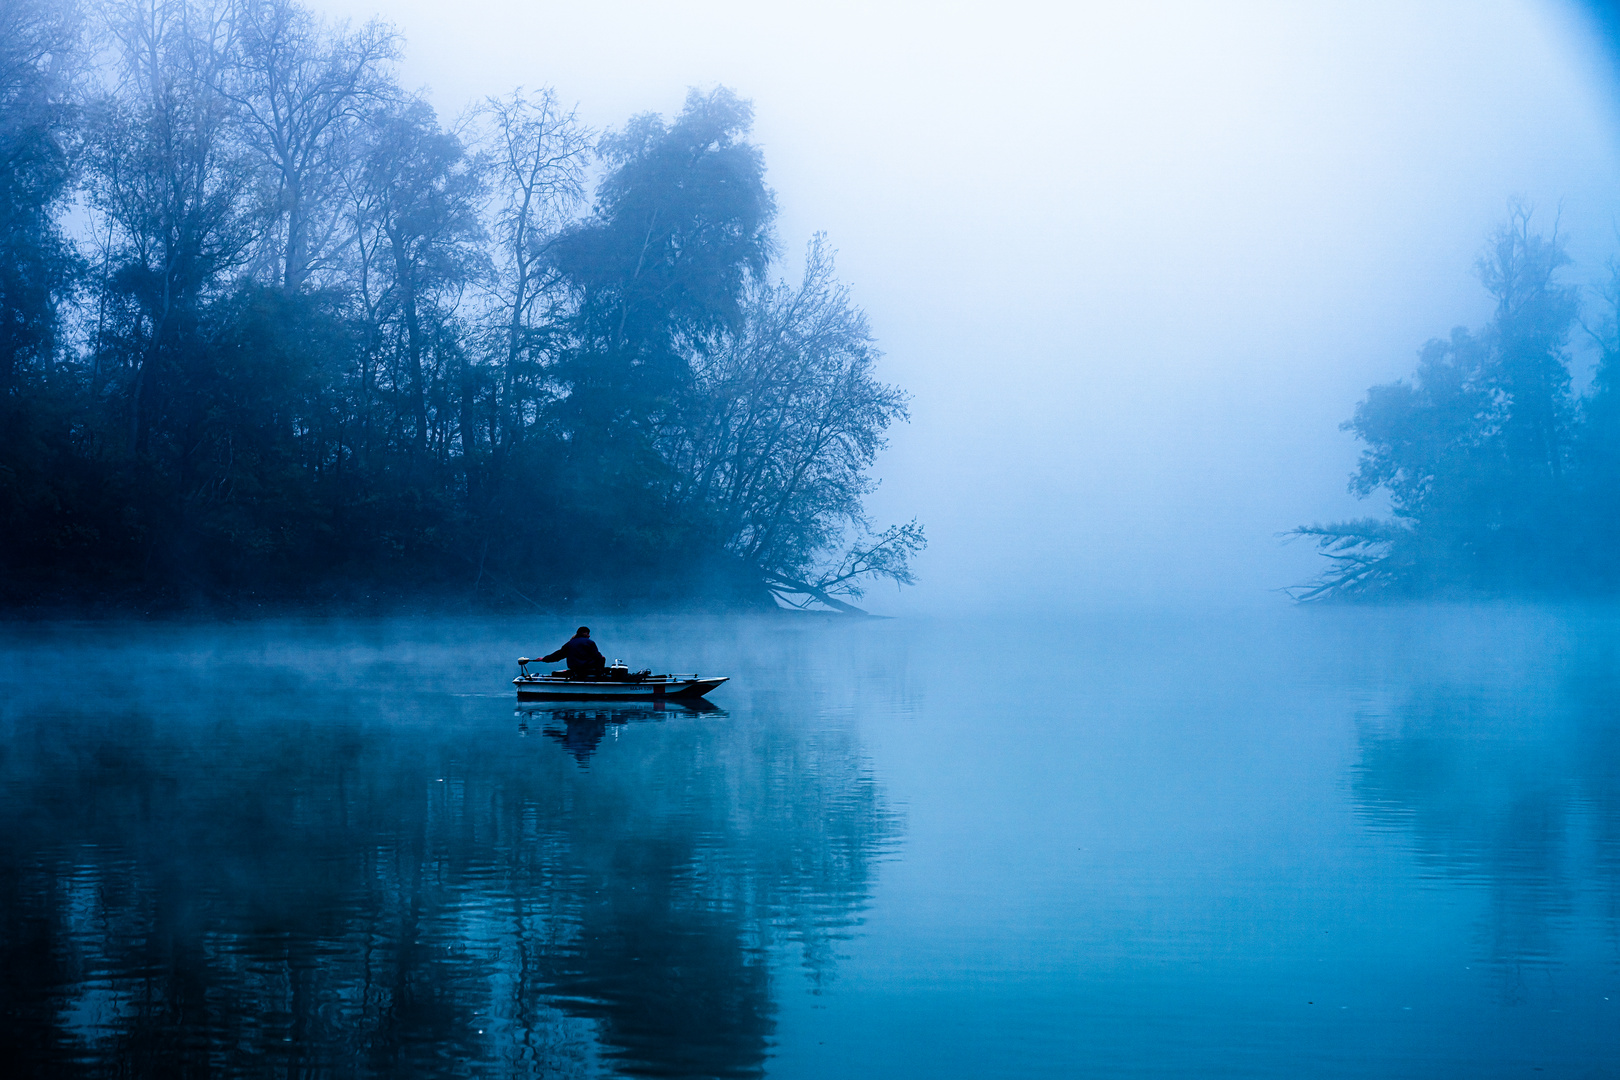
1501, 480
269, 327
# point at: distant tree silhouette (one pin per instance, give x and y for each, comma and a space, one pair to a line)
1498, 478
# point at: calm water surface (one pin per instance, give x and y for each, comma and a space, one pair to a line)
1275, 843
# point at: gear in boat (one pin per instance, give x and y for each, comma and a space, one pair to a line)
588, 675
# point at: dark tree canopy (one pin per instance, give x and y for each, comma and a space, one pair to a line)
307, 342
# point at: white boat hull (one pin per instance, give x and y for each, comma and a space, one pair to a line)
651, 688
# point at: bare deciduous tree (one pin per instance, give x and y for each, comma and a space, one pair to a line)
170, 176
304, 88
785, 418
539, 153
38, 53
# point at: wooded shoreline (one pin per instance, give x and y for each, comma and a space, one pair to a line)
270, 329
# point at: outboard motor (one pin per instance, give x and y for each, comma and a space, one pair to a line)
618, 670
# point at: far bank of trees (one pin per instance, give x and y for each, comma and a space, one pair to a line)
270, 327
1501, 478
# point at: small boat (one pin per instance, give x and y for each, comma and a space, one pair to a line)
615, 683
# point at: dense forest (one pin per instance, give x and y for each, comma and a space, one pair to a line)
270, 329
1501, 479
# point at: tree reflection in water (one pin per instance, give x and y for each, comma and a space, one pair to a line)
262, 875
1509, 780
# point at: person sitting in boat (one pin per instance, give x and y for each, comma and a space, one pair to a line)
581, 653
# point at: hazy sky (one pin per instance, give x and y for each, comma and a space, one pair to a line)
1134, 261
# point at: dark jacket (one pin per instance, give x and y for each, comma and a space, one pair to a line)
581, 653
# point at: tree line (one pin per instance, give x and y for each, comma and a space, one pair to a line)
269, 327
1501, 477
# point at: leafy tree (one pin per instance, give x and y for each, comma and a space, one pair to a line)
1530, 338
1597, 441
1473, 452
682, 224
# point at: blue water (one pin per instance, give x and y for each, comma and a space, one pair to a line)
1286, 842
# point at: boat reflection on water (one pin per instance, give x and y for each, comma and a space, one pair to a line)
580, 728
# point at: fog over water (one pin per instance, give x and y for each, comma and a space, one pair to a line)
1102, 802
1314, 841
1135, 263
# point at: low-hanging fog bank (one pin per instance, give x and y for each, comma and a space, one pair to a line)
1135, 264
